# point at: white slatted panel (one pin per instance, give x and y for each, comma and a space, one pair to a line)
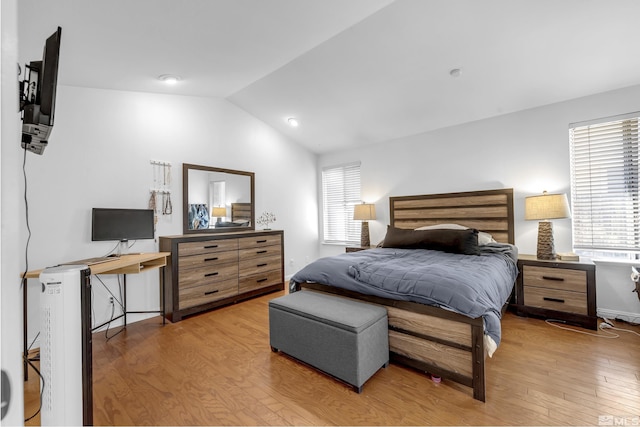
340, 192
604, 185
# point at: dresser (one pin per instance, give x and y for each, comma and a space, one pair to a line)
559, 290
211, 270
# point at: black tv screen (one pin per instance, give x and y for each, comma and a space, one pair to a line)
39, 96
121, 224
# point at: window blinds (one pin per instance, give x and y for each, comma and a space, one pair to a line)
604, 185
340, 192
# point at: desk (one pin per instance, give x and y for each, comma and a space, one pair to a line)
125, 264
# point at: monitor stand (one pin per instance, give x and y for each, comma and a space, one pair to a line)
123, 247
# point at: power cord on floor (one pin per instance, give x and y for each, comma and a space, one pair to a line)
29, 361
608, 325
604, 326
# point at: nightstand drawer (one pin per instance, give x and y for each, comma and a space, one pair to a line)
555, 278
554, 299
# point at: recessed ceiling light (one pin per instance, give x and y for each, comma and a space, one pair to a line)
456, 72
293, 122
169, 79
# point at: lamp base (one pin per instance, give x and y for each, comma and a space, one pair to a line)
546, 249
364, 235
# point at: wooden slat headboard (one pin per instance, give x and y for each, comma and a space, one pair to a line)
240, 211
490, 211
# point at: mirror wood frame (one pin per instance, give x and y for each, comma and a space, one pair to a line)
186, 167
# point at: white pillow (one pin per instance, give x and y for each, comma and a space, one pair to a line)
483, 238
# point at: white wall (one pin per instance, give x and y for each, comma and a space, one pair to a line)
99, 156
10, 254
527, 151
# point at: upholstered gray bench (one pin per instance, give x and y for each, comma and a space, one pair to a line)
346, 339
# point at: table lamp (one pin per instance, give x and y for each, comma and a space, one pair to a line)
364, 213
544, 208
219, 212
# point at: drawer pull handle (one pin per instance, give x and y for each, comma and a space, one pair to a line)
559, 279
211, 292
553, 299
211, 259
211, 274
261, 252
261, 265
262, 280
211, 247
261, 241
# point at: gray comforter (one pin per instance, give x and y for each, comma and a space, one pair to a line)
471, 285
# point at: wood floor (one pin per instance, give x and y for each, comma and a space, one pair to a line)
217, 369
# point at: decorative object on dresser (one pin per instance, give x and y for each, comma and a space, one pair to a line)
364, 213
266, 219
544, 208
208, 271
559, 290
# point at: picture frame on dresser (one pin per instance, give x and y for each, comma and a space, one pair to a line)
558, 290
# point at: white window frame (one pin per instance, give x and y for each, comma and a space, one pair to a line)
340, 192
605, 199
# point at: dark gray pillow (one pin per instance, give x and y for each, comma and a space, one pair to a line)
446, 240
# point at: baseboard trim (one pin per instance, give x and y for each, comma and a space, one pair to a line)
620, 315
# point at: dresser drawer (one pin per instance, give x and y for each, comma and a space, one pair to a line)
554, 299
260, 251
555, 278
207, 246
249, 267
206, 293
207, 274
207, 259
259, 241
258, 281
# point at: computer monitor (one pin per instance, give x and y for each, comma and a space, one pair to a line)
122, 224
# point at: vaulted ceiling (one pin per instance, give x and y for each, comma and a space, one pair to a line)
353, 72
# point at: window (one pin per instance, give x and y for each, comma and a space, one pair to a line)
340, 192
604, 187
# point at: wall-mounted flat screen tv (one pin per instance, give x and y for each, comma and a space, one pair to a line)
38, 97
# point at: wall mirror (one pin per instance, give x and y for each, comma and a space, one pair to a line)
217, 200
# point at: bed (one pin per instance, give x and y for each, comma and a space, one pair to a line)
431, 338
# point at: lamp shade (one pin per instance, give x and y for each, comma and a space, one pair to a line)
546, 206
364, 212
218, 212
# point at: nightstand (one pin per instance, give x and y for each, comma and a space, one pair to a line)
357, 248
560, 290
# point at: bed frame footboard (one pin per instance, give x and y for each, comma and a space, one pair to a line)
428, 339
